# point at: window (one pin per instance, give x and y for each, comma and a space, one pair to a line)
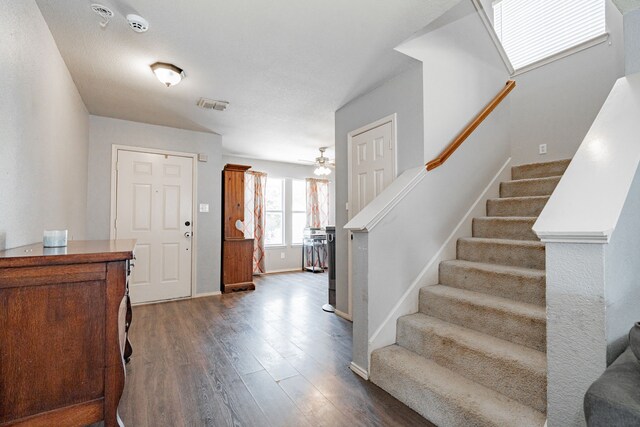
274, 219
298, 210
531, 31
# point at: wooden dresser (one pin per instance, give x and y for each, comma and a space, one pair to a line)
63, 321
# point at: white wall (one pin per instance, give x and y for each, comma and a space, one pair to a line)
402, 95
557, 103
105, 132
462, 72
292, 253
44, 132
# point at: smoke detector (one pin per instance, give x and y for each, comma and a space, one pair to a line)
104, 12
210, 104
137, 23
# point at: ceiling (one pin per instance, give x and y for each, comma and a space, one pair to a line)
284, 65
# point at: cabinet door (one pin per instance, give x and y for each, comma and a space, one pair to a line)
233, 203
237, 265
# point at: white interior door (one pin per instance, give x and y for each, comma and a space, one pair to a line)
372, 165
154, 205
372, 168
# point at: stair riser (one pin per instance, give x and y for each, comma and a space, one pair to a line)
516, 207
520, 382
502, 254
526, 289
504, 229
436, 403
539, 170
528, 188
425, 401
522, 330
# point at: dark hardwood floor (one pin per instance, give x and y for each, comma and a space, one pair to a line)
264, 357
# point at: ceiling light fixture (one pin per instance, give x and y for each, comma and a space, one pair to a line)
168, 74
321, 162
322, 171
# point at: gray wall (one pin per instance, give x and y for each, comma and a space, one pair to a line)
401, 95
557, 103
292, 253
622, 274
632, 41
105, 132
44, 133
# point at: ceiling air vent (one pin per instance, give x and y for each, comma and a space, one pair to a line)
210, 104
101, 10
104, 12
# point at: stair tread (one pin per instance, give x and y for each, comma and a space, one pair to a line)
540, 170
481, 402
492, 302
542, 164
497, 268
519, 198
479, 341
506, 218
532, 180
489, 240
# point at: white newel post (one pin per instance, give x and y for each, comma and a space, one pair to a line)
576, 336
360, 298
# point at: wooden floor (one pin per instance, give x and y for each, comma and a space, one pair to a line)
267, 357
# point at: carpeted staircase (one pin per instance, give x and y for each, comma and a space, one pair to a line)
475, 353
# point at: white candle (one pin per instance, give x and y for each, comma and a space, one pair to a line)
54, 238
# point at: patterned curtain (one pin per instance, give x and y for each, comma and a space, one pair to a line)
317, 202
255, 184
317, 217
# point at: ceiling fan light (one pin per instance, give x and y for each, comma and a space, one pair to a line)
322, 171
168, 74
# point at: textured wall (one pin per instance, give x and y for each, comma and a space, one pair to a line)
632, 41
105, 132
622, 270
576, 335
401, 95
557, 103
44, 133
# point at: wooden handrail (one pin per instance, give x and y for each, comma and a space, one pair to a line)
447, 152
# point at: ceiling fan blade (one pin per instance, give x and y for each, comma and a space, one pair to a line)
309, 162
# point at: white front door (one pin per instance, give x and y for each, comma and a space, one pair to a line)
372, 167
154, 205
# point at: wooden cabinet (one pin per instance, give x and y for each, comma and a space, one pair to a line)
63, 316
237, 252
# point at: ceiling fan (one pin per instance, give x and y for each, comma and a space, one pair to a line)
323, 164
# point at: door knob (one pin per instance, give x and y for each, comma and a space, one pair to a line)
188, 234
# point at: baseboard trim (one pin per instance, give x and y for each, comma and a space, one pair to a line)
344, 315
207, 294
359, 371
384, 335
285, 270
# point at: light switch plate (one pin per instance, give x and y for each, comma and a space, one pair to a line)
542, 149
204, 207
281, 255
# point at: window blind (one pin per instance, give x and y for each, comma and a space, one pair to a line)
534, 30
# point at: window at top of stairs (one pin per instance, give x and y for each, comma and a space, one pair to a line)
534, 32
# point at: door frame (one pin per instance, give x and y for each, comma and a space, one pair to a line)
194, 202
393, 118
